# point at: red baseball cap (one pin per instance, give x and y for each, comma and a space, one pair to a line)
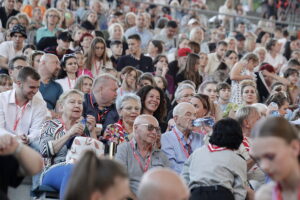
184, 52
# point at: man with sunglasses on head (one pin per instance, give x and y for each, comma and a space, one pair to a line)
10, 49
179, 143
141, 153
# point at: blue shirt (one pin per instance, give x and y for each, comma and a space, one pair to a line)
45, 32
51, 93
173, 148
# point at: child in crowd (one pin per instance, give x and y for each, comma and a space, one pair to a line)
5, 83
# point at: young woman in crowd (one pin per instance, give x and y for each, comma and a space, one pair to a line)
107, 180
84, 84
68, 72
96, 57
190, 71
241, 71
76, 35
154, 103
248, 92
128, 78
82, 70
231, 58
275, 148
161, 65
155, 48
128, 107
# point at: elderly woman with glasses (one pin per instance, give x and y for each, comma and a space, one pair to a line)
128, 107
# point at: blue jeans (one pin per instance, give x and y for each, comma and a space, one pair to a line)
58, 178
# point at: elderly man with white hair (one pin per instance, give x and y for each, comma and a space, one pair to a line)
141, 154
162, 184
179, 143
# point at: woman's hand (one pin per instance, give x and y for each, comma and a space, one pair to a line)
91, 122
76, 130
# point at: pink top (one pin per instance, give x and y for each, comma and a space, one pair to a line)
81, 72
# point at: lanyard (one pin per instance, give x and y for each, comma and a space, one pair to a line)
186, 153
276, 195
147, 164
69, 82
99, 116
246, 144
19, 115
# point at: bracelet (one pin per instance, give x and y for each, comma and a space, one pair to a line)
18, 149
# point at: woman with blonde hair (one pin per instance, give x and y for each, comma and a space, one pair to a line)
96, 57
116, 33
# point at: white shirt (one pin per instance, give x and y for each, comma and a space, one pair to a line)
66, 83
213, 63
30, 118
8, 51
278, 60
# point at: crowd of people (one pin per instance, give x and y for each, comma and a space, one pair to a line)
186, 108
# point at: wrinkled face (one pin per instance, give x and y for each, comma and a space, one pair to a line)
231, 59
211, 91
73, 106
200, 110
185, 119
71, 65
152, 101
186, 95
29, 88
130, 109
52, 66
142, 131
107, 93
131, 19
275, 157
249, 95
225, 94
133, 46
99, 49
86, 85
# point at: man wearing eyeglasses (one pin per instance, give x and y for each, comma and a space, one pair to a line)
10, 49
141, 153
179, 143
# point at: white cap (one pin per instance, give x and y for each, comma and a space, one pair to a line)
192, 21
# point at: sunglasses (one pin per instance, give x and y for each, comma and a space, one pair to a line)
66, 56
151, 127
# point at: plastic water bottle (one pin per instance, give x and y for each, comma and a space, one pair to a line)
206, 121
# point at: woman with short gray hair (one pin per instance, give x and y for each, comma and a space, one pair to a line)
129, 107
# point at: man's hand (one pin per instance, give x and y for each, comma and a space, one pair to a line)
8, 145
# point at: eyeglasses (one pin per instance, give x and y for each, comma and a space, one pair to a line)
151, 127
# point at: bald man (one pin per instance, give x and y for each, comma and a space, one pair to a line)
141, 154
48, 69
181, 141
162, 184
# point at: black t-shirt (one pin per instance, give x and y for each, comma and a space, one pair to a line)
144, 64
9, 168
4, 17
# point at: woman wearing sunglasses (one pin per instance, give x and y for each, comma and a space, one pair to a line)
276, 148
67, 76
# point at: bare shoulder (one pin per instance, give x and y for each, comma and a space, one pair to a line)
265, 192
